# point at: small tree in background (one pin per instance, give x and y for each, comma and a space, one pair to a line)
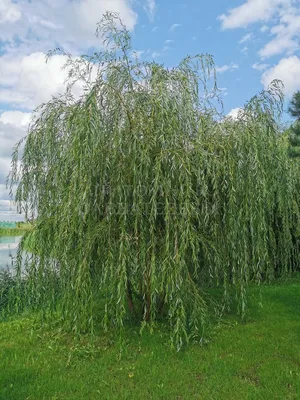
144, 201
294, 108
294, 136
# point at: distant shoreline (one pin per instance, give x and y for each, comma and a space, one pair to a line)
20, 229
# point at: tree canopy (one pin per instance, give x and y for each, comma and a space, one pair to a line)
145, 199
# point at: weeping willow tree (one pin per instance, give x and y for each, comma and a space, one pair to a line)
144, 199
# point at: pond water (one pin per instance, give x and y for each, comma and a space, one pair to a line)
8, 251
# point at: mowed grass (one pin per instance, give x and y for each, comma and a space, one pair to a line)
255, 359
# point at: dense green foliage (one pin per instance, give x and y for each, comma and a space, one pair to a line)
145, 198
256, 359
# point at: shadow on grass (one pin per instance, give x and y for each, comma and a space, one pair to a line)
15, 383
286, 300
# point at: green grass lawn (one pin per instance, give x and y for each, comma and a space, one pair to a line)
255, 359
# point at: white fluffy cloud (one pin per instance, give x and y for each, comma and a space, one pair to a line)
5, 205
286, 34
70, 24
264, 28
234, 112
246, 38
13, 127
283, 14
174, 27
287, 70
15, 118
4, 196
150, 8
9, 11
225, 68
260, 67
250, 12
32, 81
89, 12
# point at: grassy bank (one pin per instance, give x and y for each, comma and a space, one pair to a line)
20, 230
255, 359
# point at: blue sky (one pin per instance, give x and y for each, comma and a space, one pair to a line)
252, 41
